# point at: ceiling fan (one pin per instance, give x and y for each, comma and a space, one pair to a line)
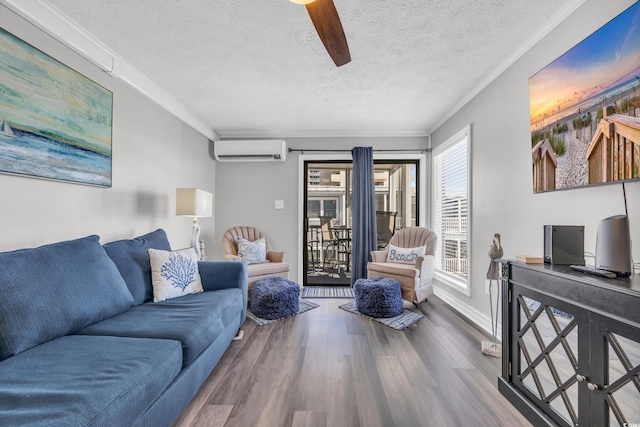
325, 18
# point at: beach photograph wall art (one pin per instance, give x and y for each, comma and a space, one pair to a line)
55, 123
585, 110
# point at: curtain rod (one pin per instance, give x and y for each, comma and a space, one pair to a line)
416, 150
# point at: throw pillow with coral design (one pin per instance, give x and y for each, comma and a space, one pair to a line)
174, 273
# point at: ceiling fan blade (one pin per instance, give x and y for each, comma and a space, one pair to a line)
325, 18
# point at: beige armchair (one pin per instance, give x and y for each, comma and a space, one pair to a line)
275, 265
415, 278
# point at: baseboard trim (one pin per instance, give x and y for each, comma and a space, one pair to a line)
475, 316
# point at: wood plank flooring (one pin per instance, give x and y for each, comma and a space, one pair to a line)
328, 367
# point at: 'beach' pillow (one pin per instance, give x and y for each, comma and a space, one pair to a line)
405, 255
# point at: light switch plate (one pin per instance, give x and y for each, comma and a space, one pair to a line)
279, 204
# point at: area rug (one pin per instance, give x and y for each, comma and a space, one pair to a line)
327, 292
302, 307
400, 323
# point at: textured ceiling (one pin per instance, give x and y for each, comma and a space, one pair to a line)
258, 68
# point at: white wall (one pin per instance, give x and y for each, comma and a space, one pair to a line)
502, 196
153, 153
246, 192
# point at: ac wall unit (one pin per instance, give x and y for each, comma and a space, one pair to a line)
250, 151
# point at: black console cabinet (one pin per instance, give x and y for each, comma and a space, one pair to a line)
571, 346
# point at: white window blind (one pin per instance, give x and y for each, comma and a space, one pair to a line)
451, 209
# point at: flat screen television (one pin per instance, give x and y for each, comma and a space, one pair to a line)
585, 110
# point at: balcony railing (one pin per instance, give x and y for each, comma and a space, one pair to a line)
454, 225
457, 266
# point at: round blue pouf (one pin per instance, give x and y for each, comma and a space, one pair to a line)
378, 297
274, 298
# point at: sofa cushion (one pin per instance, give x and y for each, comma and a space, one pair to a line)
174, 273
195, 320
56, 290
86, 381
132, 259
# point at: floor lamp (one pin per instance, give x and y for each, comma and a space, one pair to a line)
195, 203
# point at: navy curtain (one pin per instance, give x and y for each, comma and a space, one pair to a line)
363, 212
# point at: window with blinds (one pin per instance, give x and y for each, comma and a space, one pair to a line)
451, 209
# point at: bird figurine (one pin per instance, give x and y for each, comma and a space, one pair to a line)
495, 252
492, 348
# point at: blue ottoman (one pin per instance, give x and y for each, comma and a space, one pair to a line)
274, 298
378, 297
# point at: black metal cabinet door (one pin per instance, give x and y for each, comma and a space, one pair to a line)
550, 354
614, 381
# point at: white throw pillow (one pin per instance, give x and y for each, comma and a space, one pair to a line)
252, 252
174, 273
405, 255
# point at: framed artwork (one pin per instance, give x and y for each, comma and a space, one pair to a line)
55, 123
585, 110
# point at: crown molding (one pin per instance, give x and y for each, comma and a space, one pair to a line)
320, 134
60, 27
551, 24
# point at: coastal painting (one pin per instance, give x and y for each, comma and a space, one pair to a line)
55, 123
585, 110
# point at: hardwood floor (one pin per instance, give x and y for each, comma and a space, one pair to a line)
328, 367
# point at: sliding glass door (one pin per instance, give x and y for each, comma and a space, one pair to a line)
327, 207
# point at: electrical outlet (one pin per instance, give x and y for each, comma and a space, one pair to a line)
487, 283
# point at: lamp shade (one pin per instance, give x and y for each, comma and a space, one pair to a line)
193, 202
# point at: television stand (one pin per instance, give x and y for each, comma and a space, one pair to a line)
570, 346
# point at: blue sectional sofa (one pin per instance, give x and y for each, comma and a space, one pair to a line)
82, 343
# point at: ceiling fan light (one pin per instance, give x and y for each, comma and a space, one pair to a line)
302, 1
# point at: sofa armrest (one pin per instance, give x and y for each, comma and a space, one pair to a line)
217, 275
229, 257
426, 265
223, 275
378, 256
275, 256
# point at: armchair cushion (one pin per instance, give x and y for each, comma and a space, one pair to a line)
405, 255
252, 252
405, 270
267, 268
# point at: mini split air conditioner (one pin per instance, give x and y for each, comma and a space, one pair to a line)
250, 151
